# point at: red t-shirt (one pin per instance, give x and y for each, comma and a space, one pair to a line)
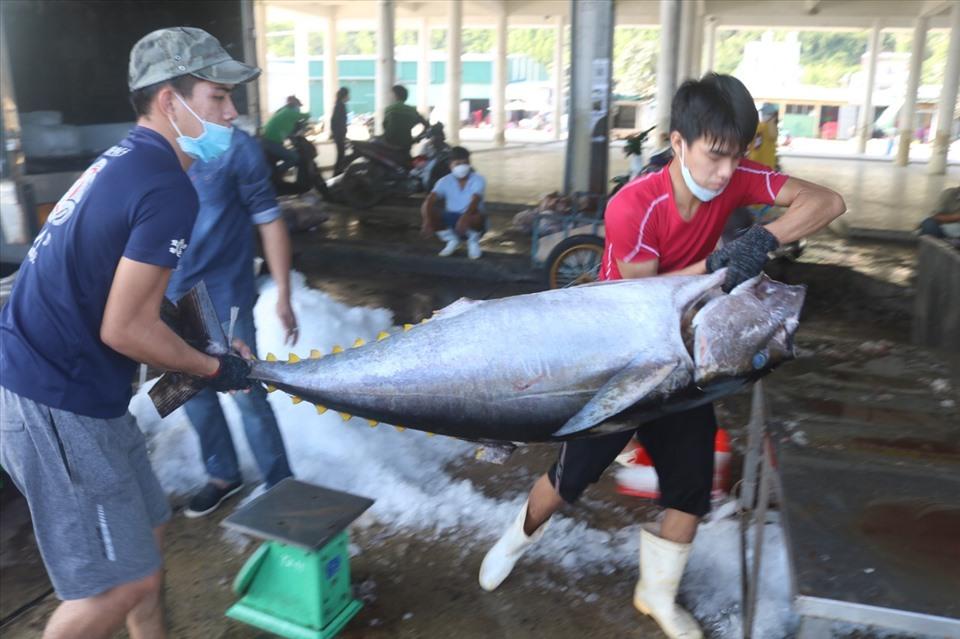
642, 221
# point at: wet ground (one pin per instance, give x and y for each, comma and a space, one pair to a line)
856, 367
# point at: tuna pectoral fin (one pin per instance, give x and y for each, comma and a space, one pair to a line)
630, 386
194, 319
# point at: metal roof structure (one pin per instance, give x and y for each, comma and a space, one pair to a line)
801, 14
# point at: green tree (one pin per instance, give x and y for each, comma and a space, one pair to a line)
405, 37
280, 39
357, 43
536, 42
935, 58
315, 43
477, 40
730, 46
635, 53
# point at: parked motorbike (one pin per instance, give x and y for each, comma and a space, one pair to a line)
377, 170
635, 148
306, 174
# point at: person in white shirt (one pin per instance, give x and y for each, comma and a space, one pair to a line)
461, 215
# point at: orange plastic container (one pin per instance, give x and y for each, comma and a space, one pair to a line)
639, 478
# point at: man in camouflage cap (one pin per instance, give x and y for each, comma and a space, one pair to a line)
168, 53
85, 310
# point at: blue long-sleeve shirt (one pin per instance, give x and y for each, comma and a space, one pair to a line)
235, 195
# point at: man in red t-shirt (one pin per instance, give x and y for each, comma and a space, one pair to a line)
669, 222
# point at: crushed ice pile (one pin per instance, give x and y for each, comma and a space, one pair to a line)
407, 475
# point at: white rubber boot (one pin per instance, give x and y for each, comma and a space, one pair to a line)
661, 566
500, 559
452, 240
473, 245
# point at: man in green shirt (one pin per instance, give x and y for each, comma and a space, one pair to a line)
279, 127
399, 119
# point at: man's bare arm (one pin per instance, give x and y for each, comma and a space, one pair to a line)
636, 270
132, 325
276, 250
810, 208
631, 271
947, 218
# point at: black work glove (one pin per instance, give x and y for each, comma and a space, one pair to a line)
232, 374
744, 257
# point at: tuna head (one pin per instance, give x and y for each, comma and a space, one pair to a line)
749, 330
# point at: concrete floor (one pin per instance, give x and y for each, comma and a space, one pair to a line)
878, 194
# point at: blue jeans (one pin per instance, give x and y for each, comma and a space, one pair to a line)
450, 219
259, 424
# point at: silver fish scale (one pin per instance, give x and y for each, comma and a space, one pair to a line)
527, 362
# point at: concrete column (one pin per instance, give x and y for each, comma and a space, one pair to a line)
948, 98
688, 11
588, 120
454, 69
908, 113
331, 76
696, 41
386, 66
423, 69
248, 22
301, 62
816, 114
709, 52
260, 30
865, 126
558, 73
709, 45
666, 67
498, 102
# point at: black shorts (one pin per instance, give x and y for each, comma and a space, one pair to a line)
680, 446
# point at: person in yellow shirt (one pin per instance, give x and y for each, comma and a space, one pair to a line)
764, 149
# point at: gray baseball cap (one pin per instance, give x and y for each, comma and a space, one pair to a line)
168, 53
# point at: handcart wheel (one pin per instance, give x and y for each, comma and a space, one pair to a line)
575, 260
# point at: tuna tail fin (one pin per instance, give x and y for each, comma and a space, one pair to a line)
194, 319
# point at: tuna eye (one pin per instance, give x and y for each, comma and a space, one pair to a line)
760, 360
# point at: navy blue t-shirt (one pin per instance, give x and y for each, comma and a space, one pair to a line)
136, 202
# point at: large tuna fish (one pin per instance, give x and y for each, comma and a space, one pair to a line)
546, 366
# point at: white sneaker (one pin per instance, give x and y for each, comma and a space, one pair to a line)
473, 245
452, 240
500, 560
661, 567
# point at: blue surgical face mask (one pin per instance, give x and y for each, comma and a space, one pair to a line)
209, 145
460, 171
701, 193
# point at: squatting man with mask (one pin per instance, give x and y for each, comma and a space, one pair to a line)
669, 222
85, 310
454, 210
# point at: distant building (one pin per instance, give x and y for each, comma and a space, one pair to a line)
771, 70
526, 80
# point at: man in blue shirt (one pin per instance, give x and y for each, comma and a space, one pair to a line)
461, 214
85, 309
235, 194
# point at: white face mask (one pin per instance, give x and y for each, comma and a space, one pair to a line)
700, 192
460, 171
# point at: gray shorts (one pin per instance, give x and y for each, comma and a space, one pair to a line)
93, 497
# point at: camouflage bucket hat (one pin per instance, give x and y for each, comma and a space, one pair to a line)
168, 53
